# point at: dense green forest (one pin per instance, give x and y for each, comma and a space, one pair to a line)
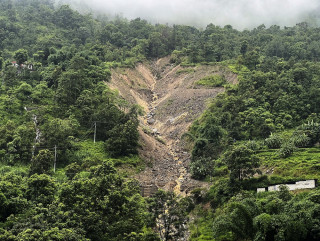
54, 64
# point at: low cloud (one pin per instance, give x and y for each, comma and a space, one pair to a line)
238, 13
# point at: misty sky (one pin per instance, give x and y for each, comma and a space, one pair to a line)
239, 13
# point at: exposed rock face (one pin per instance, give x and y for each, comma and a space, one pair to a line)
171, 103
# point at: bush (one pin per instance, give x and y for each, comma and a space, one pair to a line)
221, 192
123, 139
312, 130
42, 163
300, 139
253, 145
286, 149
197, 195
72, 170
273, 141
212, 81
201, 167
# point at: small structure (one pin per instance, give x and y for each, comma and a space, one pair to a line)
14, 63
23, 66
308, 184
261, 189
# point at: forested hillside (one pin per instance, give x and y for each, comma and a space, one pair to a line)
69, 143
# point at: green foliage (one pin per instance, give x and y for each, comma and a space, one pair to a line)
221, 192
242, 162
57, 131
302, 164
123, 139
41, 189
286, 149
58, 98
42, 163
312, 130
201, 167
209, 137
238, 223
300, 139
21, 56
12, 195
16, 143
247, 217
274, 141
72, 56
253, 145
108, 207
284, 193
212, 81
72, 170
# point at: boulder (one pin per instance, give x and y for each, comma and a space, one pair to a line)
151, 121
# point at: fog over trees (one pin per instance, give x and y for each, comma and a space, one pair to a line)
240, 14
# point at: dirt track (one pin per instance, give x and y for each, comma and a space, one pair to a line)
171, 102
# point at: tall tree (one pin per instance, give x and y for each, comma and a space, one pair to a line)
241, 162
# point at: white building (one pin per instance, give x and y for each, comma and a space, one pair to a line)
308, 184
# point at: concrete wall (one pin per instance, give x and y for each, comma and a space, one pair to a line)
308, 184
261, 189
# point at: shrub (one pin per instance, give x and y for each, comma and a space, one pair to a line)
201, 167
42, 163
72, 170
273, 141
286, 149
212, 81
253, 145
221, 192
300, 139
312, 130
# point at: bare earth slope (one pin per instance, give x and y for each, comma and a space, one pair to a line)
171, 102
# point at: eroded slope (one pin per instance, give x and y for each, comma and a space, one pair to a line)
171, 101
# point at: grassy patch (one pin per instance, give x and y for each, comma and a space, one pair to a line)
94, 154
304, 163
90, 151
128, 166
212, 81
238, 69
